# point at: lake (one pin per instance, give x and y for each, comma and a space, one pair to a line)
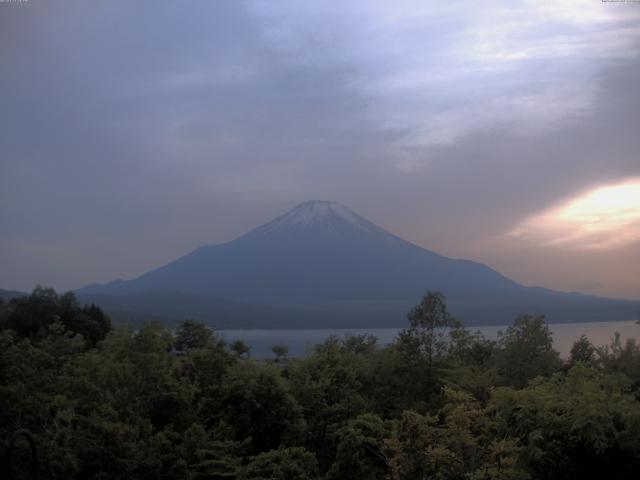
302, 342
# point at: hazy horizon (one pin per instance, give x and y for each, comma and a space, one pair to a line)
131, 134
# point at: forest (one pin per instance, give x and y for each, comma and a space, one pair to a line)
441, 402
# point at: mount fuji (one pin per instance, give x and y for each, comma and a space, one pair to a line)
322, 265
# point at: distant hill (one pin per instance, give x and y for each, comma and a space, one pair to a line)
9, 294
322, 265
170, 307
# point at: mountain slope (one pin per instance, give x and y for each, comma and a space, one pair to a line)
9, 294
322, 256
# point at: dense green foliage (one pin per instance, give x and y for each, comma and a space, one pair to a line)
32, 317
439, 403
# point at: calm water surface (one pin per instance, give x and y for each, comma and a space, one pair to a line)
301, 342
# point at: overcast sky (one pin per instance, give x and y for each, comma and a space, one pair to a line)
503, 132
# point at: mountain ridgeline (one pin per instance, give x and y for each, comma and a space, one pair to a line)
321, 265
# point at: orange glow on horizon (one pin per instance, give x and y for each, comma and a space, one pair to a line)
605, 217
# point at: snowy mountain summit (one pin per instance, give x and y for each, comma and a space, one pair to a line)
319, 215
316, 211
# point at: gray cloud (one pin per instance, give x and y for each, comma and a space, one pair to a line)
131, 133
